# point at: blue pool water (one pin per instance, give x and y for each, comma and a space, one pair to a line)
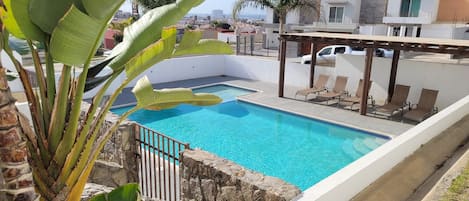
299, 150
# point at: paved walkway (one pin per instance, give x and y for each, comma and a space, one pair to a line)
267, 96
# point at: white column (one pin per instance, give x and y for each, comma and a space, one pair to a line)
390, 30
414, 31
402, 31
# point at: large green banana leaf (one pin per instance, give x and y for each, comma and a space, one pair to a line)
95, 9
74, 37
47, 13
165, 48
168, 98
128, 192
76, 27
78, 34
15, 16
189, 39
205, 47
147, 30
155, 53
191, 44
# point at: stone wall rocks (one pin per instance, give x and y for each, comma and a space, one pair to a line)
117, 163
208, 177
92, 189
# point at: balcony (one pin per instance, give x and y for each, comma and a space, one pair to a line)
327, 27
421, 19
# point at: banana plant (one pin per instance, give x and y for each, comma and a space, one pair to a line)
66, 144
128, 192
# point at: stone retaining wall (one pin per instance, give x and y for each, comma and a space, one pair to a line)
116, 165
208, 177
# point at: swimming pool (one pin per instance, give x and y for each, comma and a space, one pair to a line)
299, 150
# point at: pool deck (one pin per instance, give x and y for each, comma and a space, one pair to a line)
267, 96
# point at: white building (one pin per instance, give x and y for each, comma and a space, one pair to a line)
337, 16
271, 26
331, 16
429, 18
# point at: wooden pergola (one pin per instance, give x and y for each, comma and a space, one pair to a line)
444, 46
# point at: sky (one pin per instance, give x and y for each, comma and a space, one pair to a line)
207, 7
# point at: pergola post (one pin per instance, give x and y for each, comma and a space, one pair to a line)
281, 79
392, 77
314, 50
366, 80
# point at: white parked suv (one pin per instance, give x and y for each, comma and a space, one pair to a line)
328, 54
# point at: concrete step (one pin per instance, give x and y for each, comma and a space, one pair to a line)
349, 149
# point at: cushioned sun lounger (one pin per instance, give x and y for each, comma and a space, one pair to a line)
398, 101
338, 90
351, 100
425, 108
319, 85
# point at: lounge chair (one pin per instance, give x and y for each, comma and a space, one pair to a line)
398, 101
352, 100
337, 91
425, 108
319, 86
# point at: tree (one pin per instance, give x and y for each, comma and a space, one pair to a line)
66, 142
119, 27
14, 167
151, 4
135, 13
223, 25
15, 171
280, 7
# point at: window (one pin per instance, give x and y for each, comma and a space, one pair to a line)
339, 50
410, 8
419, 30
358, 49
396, 31
276, 18
326, 51
336, 14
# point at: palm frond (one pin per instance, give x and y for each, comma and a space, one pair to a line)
150, 4
299, 4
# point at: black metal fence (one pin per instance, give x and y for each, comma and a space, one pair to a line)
158, 159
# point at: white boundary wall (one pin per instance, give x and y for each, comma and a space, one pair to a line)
267, 70
226, 37
450, 79
16, 84
350, 180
